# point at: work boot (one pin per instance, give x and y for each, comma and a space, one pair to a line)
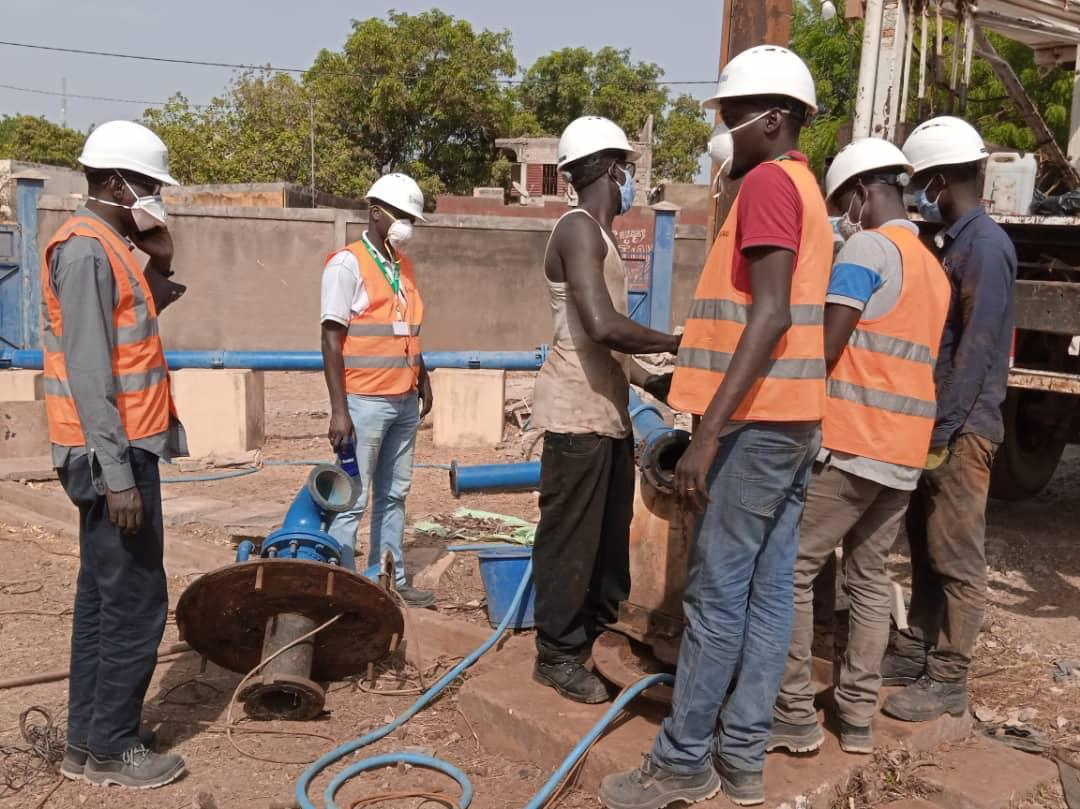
137, 768
75, 755
570, 678
651, 786
418, 599
927, 699
742, 787
856, 739
899, 670
794, 738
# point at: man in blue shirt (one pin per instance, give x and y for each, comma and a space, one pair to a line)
946, 522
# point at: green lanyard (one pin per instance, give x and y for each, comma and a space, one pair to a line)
393, 280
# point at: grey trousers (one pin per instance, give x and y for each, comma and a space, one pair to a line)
865, 517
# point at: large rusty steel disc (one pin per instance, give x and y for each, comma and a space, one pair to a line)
223, 615
623, 661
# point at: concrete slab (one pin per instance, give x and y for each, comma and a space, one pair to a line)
439, 635
530, 723
468, 407
36, 468
984, 774
22, 386
223, 411
24, 430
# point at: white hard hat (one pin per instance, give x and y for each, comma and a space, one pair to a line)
592, 134
943, 141
398, 191
129, 146
767, 70
862, 156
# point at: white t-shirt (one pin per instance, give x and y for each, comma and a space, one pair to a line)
343, 294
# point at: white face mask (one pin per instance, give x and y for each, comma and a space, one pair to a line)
722, 145
849, 226
399, 233
148, 212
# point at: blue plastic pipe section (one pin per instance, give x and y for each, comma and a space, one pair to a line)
338, 753
659, 447
307, 360
660, 272
495, 477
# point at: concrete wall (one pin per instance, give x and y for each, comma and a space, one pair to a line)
59, 181
253, 275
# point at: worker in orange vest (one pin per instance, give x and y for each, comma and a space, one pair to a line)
884, 315
371, 317
111, 419
751, 367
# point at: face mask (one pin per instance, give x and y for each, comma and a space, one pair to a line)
929, 209
848, 227
722, 145
626, 191
148, 212
399, 233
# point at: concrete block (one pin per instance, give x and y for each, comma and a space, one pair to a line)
24, 430
987, 775
438, 635
22, 386
468, 407
222, 410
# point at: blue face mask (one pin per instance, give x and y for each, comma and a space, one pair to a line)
929, 209
626, 191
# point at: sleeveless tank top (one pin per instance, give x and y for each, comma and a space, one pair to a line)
584, 387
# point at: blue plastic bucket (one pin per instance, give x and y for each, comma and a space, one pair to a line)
501, 569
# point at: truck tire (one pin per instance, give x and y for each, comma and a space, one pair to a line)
1030, 453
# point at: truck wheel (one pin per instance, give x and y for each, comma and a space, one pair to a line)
1031, 451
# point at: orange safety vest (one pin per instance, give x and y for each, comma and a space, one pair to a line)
881, 400
792, 387
140, 375
382, 359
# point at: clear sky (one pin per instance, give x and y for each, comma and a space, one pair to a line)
682, 36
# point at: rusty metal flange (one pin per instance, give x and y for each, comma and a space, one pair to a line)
623, 662
223, 614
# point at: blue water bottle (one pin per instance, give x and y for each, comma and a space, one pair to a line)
346, 459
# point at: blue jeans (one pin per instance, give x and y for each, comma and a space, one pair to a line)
738, 599
385, 439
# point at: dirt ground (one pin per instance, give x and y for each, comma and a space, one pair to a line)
1034, 623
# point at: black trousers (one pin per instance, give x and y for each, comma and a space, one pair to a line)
581, 557
121, 604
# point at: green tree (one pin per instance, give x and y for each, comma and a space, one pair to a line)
418, 93
37, 140
681, 138
571, 82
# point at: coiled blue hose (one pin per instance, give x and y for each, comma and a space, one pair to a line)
431, 762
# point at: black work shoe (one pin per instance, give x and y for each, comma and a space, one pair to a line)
75, 755
794, 738
899, 670
571, 679
742, 787
927, 699
420, 599
136, 768
856, 739
651, 786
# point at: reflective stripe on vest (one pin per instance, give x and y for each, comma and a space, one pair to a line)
792, 386
140, 375
379, 362
881, 399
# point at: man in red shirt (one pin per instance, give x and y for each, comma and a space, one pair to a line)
751, 365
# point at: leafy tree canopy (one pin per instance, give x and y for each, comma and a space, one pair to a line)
37, 140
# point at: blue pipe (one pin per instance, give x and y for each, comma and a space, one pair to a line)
335, 755
659, 447
306, 360
495, 477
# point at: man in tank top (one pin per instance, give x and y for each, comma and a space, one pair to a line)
581, 566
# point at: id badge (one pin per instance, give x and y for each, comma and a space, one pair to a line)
401, 328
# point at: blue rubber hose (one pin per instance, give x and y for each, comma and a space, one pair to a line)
425, 699
540, 799
239, 473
